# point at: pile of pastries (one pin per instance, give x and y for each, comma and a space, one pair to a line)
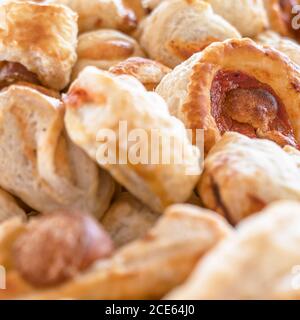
74, 227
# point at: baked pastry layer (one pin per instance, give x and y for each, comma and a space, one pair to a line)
40, 38
241, 176
144, 269
148, 72
39, 163
177, 29
100, 100
236, 85
259, 261
103, 49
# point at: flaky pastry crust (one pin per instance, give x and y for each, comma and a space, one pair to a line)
42, 38
39, 163
148, 72
242, 175
259, 261
176, 29
282, 44
249, 17
138, 270
107, 101
97, 14
103, 49
191, 89
128, 219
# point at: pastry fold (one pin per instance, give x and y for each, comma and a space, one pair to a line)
39, 163
236, 85
113, 118
103, 49
128, 219
259, 261
249, 17
37, 43
176, 29
241, 176
144, 269
98, 14
148, 72
9, 207
285, 45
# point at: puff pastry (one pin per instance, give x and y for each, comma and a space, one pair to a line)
138, 270
259, 261
240, 86
93, 104
281, 17
128, 219
39, 164
137, 7
148, 72
285, 45
104, 48
9, 207
96, 14
37, 43
242, 175
254, 17
177, 29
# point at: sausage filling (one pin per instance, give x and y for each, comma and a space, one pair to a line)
12, 72
243, 104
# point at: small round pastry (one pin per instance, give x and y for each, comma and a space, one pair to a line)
131, 134
148, 72
147, 268
282, 44
128, 219
59, 245
242, 175
237, 85
260, 261
38, 162
103, 49
176, 29
37, 44
96, 14
281, 17
254, 17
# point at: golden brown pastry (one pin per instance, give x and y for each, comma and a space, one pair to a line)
128, 219
147, 71
9, 207
178, 28
280, 13
240, 86
146, 268
259, 261
103, 49
242, 175
96, 14
106, 113
249, 17
282, 44
137, 7
39, 164
37, 44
